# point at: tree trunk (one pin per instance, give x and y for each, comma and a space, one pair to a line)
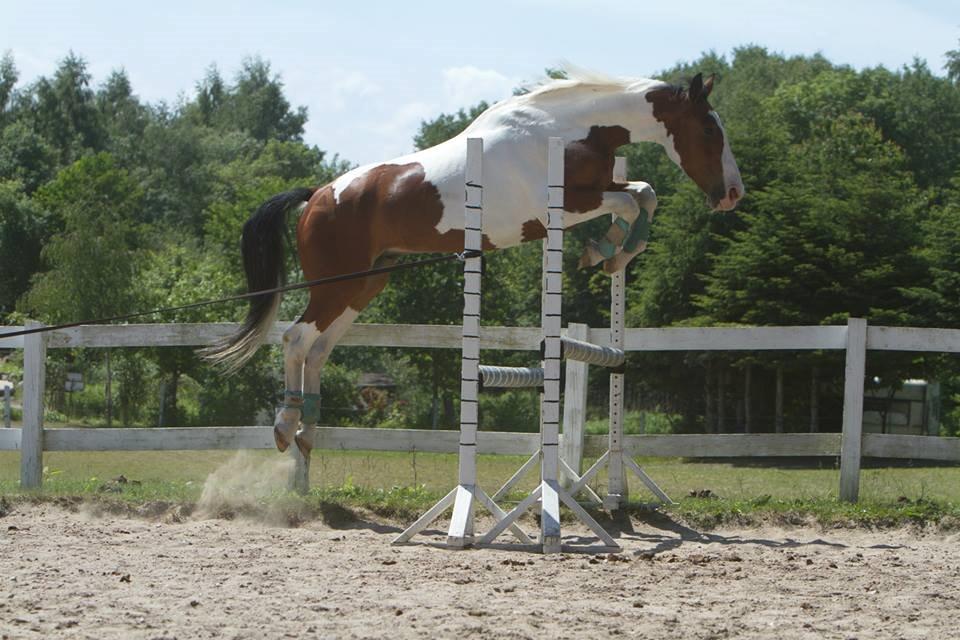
721, 400
814, 400
109, 391
448, 412
435, 400
778, 419
171, 416
708, 400
747, 399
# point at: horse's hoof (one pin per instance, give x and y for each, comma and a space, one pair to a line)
611, 266
278, 438
304, 446
304, 439
591, 256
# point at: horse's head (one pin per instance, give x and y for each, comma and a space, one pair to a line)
696, 141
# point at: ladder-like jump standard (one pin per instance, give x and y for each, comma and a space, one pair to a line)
549, 493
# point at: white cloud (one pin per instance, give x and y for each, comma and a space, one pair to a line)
352, 85
467, 85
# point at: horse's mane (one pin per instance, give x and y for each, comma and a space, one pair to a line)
542, 92
577, 78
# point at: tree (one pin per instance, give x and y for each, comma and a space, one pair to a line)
92, 262
23, 227
953, 65
255, 104
8, 80
25, 156
64, 110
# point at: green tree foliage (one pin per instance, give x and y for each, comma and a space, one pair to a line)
93, 259
22, 229
255, 104
833, 237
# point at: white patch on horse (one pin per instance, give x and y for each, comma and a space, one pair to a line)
322, 346
297, 341
731, 173
344, 181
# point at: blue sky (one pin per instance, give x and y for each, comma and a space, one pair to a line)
370, 71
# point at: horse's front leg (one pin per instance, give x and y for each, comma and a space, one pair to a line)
626, 236
635, 232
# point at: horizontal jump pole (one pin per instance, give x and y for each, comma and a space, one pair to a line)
510, 377
581, 351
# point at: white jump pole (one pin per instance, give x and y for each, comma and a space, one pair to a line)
467, 493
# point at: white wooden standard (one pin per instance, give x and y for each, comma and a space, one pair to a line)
574, 405
34, 384
617, 489
549, 493
551, 320
467, 493
851, 442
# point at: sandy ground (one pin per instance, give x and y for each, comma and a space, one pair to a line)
76, 574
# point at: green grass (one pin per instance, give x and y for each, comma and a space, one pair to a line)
401, 485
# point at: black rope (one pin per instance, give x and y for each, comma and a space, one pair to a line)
250, 294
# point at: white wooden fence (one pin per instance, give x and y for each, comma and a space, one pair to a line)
851, 445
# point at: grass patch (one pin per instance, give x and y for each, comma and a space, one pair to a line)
711, 513
400, 486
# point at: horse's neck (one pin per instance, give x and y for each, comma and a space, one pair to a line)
628, 109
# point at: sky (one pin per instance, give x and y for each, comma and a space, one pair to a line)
370, 71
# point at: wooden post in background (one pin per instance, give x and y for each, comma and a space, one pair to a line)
852, 437
34, 379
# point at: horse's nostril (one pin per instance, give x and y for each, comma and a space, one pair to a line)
733, 194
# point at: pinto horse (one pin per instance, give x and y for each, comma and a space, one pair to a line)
372, 214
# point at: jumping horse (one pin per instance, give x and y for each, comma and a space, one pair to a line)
413, 204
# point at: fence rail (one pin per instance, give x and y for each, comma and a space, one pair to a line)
851, 445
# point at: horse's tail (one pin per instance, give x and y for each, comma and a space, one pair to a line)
263, 261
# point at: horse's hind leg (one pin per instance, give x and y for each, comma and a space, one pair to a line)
297, 341
363, 291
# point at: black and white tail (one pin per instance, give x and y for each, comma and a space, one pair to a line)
263, 261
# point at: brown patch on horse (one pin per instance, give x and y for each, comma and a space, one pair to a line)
695, 135
533, 230
588, 167
390, 209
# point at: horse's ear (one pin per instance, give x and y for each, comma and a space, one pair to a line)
696, 87
707, 87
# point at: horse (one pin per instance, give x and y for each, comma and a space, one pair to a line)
373, 214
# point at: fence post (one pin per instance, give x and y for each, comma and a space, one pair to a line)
34, 379
575, 404
851, 439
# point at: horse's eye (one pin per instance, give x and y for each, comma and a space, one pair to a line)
709, 131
